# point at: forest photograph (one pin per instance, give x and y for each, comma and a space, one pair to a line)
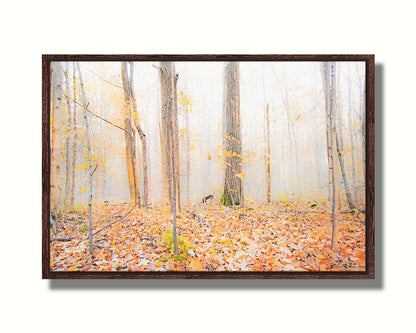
207, 166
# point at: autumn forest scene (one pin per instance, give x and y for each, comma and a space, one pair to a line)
207, 166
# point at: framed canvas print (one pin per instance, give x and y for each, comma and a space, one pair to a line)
208, 166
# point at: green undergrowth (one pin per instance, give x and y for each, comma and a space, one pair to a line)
184, 246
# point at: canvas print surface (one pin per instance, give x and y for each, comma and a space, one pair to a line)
207, 166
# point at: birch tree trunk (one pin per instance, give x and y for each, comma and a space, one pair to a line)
188, 156
75, 138
329, 83
353, 163
233, 194
144, 162
129, 139
101, 187
168, 109
90, 169
340, 151
56, 140
268, 183
340, 148
68, 141
175, 123
163, 140
362, 111
351, 137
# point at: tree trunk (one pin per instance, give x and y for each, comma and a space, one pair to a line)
75, 138
176, 142
102, 150
68, 142
351, 137
329, 82
168, 109
340, 151
362, 112
268, 186
90, 169
129, 139
353, 166
144, 163
185, 102
128, 86
165, 178
188, 156
233, 194
56, 140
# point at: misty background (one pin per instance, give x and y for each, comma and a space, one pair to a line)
293, 92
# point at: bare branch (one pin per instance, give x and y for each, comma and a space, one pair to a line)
105, 80
96, 115
96, 166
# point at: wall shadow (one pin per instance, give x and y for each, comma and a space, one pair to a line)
376, 284
379, 175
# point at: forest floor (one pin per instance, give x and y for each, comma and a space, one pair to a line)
270, 237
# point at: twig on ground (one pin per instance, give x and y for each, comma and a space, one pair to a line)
195, 214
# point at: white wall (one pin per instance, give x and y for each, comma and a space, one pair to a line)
30, 28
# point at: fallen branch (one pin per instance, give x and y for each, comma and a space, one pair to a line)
122, 217
350, 211
118, 220
195, 214
300, 211
62, 239
247, 216
347, 211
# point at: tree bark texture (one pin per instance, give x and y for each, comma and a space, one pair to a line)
175, 123
340, 151
232, 135
168, 110
75, 138
329, 82
268, 178
57, 82
90, 168
128, 87
129, 136
169, 117
68, 141
188, 155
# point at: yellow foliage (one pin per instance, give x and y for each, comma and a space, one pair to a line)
240, 175
195, 265
83, 166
